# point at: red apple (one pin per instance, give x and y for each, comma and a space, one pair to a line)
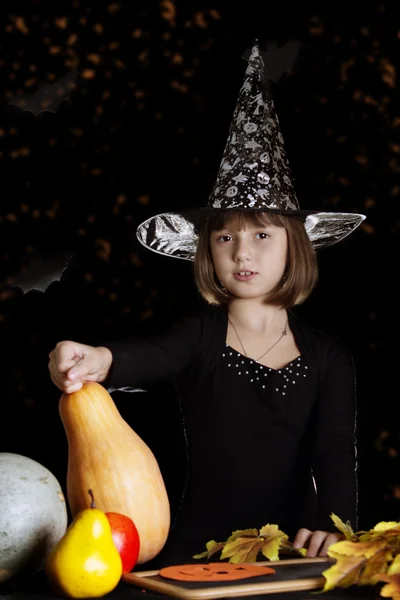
126, 539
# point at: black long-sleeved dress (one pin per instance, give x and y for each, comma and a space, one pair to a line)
265, 446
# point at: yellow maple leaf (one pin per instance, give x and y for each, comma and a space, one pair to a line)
347, 548
385, 525
366, 558
243, 545
270, 549
212, 547
242, 533
345, 572
394, 568
390, 536
392, 587
274, 538
242, 549
272, 532
375, 566
344, 528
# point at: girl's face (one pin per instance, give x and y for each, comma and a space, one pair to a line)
249, 262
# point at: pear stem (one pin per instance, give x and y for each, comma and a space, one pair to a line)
93, 505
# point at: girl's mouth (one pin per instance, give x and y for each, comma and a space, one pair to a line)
244, 275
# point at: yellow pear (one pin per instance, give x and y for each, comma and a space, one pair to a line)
85, 562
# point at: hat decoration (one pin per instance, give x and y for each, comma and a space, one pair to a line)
254, 175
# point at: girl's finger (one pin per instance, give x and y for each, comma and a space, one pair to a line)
316, 541
301, 538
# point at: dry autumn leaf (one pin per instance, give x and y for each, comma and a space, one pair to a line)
244, 545
345, 572
386, 525
366, 558
392, 587
366, 549
374, 567
212, 548
344, 528
362, 558
242, 549
394, 568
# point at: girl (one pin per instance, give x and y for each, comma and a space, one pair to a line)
268, 401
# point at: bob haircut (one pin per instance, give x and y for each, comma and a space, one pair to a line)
301, 274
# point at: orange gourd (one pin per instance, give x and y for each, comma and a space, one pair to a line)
107, 456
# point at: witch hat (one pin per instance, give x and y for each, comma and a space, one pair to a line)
254, 175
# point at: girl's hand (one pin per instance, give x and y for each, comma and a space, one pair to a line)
316, 542
72, 364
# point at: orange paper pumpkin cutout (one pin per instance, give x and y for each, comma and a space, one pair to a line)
214, 572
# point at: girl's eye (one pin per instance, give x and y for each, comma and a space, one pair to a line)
224, 238
262, 235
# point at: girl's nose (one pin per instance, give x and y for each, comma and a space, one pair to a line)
241, 251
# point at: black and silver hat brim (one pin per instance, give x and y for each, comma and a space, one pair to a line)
175, 234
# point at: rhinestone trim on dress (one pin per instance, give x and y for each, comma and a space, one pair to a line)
255, 372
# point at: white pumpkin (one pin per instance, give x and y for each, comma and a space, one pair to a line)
33, 515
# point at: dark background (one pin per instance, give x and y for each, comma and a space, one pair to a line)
143, 132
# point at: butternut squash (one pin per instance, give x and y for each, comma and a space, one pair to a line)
107, 456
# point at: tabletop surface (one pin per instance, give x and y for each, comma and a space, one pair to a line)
37, 588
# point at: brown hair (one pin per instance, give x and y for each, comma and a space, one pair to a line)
301, 272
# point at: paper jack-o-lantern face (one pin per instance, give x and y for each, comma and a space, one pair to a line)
214, 572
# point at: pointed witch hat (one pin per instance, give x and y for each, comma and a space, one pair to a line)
254, 175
